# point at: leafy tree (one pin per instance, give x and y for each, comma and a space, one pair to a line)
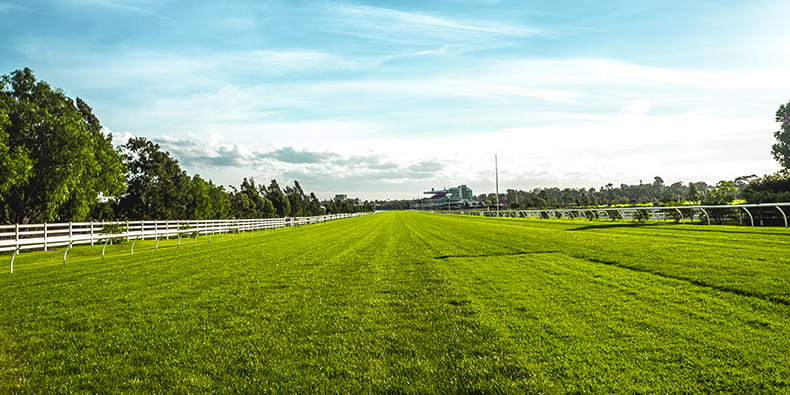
157, 187
314, 205
206, 200
254, 203
282, 205
107, 175
770, 188
724, 193
15, 164
240, 205
297, 200
693, 192
54, 159
220, 201
781, 150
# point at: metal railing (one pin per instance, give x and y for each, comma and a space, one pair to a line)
18, 237
744, 214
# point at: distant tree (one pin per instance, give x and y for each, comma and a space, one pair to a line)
240, 205
724, 193
206, 200
157, 187
771, 188
281, 204
54, 159
781, 150
260, 205
220, 201
677, 191
297, 200
314, 205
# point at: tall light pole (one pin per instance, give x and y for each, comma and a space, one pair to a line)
496, 177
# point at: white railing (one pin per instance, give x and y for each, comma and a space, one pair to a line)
745, 213
19, 237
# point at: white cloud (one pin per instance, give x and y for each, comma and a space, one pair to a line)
590, 129
638, 107
569, 122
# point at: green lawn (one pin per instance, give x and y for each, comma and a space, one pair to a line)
408, 302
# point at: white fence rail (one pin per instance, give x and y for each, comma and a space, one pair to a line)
746, 214
19, 237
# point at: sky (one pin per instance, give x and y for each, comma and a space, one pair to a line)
387, 99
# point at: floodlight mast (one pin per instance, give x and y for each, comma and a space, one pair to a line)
496, 177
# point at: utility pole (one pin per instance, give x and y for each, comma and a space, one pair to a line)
496, 177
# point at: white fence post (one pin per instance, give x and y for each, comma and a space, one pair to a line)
45, 237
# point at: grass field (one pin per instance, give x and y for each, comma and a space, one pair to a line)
409, 302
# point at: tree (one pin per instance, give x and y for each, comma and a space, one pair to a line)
281, 204
297, 200
724, 193
781, 150
106, 175
252, 201
314, 205
240, 205
206, 200
770, 188
157, 187
55, 160
15, 164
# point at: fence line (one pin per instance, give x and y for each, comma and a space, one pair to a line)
743, 213
18, 237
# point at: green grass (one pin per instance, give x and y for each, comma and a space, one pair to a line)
408, 302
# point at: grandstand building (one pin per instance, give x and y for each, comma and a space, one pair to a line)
449, 198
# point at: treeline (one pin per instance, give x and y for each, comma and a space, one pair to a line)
771, 188
157, 188
57, 165
752, 189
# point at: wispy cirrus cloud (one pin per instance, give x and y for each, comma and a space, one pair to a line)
11, 7
125, 7
379, 18
403, 29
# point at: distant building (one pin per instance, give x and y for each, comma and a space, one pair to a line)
452, 198
341, 197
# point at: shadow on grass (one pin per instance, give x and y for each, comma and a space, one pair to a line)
616, 225
700, 228
723, 288
496, 255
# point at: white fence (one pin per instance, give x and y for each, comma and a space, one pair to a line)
746, 214
16, 238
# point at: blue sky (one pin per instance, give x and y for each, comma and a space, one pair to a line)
382, 99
